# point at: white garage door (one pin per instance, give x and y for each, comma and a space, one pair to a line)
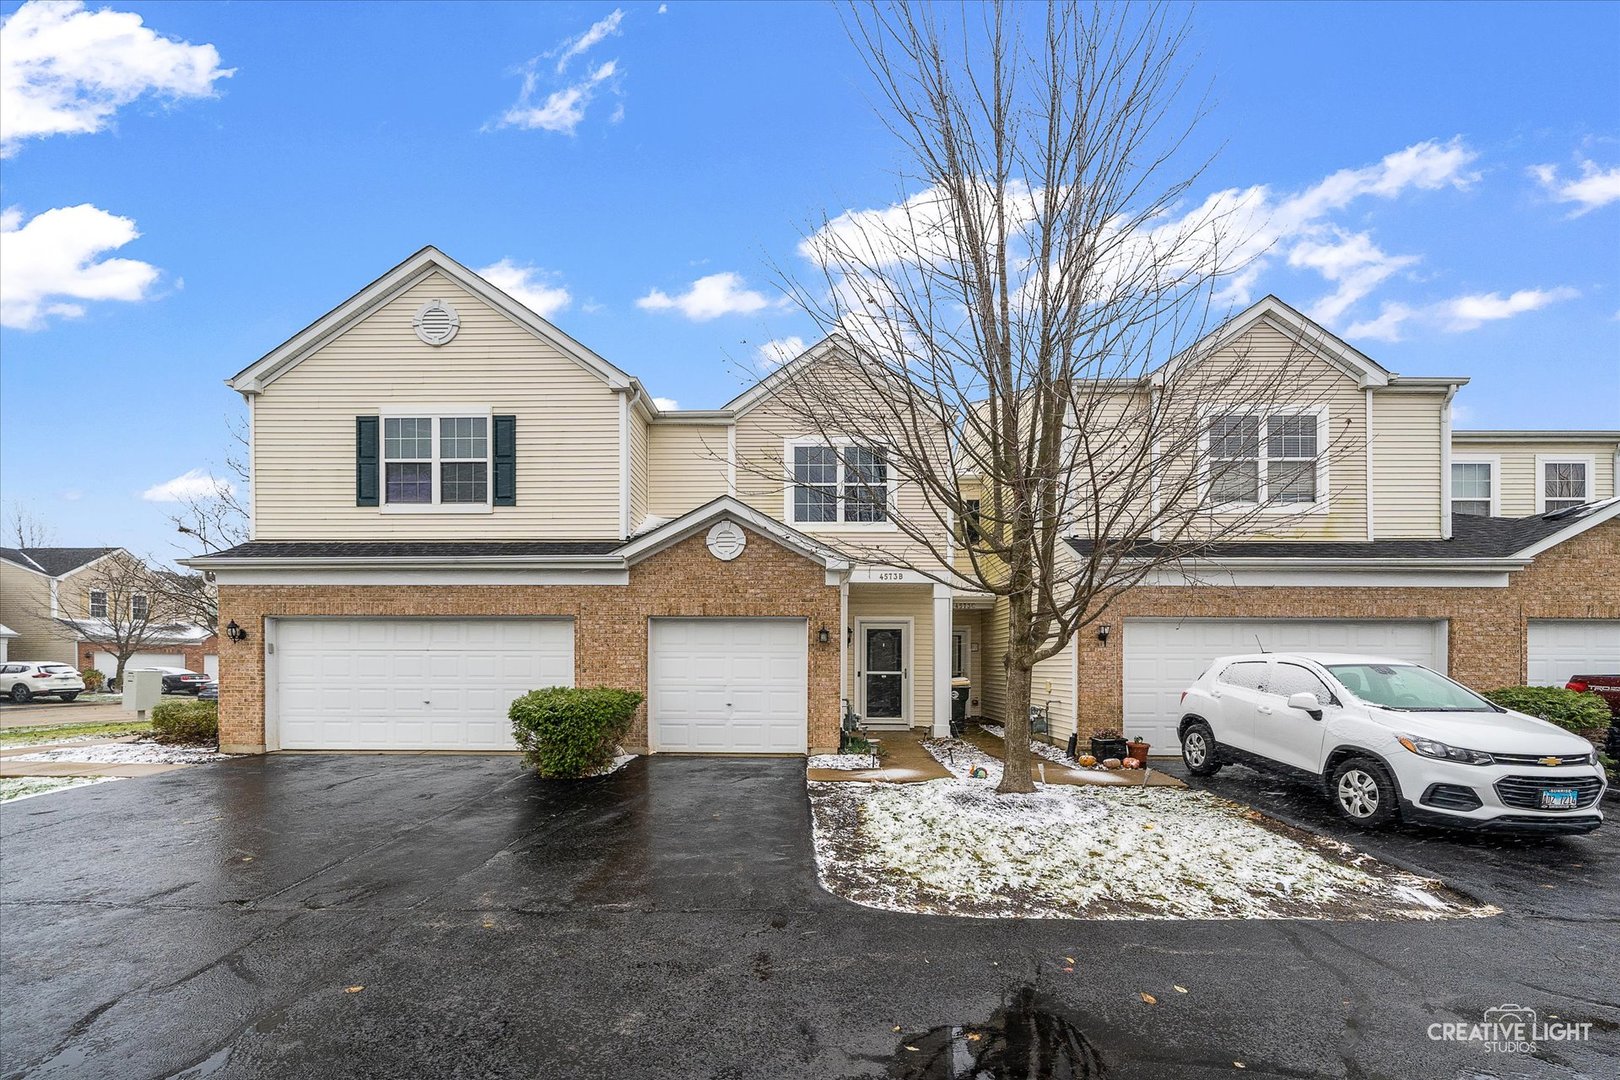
1164, 656
211, 665
728, 686
1559, 648
107, 663
411, 684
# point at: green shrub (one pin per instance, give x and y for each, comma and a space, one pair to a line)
566, 733
1566, 708
94, 681
191, 722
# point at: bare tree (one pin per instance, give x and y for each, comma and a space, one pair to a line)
27, 529
124, 609
211, 521
999, 338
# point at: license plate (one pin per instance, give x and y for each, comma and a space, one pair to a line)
1559, 799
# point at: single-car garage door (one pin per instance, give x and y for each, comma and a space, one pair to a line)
411, 684
728, 686
1164, 656
1559, 648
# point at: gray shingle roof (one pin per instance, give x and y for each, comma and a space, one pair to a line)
1472, 538
54, 561
413, 549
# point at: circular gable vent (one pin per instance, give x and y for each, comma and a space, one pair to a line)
436, 322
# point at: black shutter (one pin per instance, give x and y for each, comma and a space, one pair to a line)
505, 461
365, 460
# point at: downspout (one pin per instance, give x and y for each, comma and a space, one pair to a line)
624, 465
1372, 532
1445, 465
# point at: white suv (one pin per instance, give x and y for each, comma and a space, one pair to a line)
1391, 740
24, 680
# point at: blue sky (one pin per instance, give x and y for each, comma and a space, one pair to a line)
1443, 182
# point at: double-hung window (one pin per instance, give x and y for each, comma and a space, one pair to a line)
1472, 488
436, 460
1564, 483
844, 484
138, 607
98, 603
1264, 459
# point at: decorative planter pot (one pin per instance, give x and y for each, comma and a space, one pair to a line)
1103, 749
1138, 750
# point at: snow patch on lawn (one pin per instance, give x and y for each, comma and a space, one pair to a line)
619, 761
1036, 747
135, 753
955, 847
847, 762
14, 788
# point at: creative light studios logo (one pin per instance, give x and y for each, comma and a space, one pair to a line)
1511, 1029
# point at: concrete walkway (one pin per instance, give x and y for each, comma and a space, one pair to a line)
10, 767
1056, 773
904, 761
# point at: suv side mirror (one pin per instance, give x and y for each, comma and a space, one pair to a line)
1306, 701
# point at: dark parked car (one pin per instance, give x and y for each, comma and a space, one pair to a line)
179, 680
208, 691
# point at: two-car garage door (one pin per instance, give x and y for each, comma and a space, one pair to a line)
1163, 657
411, 684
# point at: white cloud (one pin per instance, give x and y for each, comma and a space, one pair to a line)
665, 404
1595, 186
563, 107
663, 9
70, 494
193, 484
67, 71
52, 262
1351, 261
529, 286
1458, 314
779, 351
708, 298
607, 27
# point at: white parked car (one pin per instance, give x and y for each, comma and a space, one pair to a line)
24, 680
1391, 740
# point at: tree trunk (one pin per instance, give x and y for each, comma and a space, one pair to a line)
118, 674
1017, 775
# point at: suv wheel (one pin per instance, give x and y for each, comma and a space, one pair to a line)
1363, 793
1198, 749
20, 694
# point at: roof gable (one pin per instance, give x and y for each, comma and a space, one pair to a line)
261, 373
55, 561
770, 385
1271, 311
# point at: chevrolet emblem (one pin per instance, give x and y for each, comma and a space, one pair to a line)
1552, 762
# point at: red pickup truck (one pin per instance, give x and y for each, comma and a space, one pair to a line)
1606, 687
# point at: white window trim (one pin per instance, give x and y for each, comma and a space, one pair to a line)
907, 627
1323, 439
433, 414
887, 526
1543, 460
90, 603
1495, 462
146, 604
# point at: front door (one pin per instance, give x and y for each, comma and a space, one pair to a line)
883, 674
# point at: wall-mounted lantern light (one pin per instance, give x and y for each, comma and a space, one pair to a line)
849, 634
823, 635
234, 632
1102, 633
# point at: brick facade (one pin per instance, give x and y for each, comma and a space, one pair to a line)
610, 622
193, 653
1578, 579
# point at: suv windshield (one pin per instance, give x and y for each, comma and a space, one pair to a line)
1408, 688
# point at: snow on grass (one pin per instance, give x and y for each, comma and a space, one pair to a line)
620, 760
955, 847
1036, 747
847, 762
13, 788
135, 753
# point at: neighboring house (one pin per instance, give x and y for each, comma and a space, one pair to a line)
51, 595
1519, 473
454, 502
6, 634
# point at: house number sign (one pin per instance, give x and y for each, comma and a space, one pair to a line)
727, 540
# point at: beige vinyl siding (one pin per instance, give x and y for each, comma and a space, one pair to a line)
1518, 480
25, 606
686, 467
993, 694
1406, 455
567, 428
762, 484
638, 440
914, 602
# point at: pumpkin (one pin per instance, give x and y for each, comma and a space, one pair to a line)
1131, 763
1087, 760
1111, 763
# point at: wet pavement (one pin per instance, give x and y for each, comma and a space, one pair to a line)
433, 916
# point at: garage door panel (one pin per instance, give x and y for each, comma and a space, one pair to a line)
1162, 657
720, 685
412, 684
1557, 649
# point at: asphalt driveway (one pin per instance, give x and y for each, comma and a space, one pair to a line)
666, 922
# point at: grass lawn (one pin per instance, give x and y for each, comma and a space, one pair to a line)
49, 733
